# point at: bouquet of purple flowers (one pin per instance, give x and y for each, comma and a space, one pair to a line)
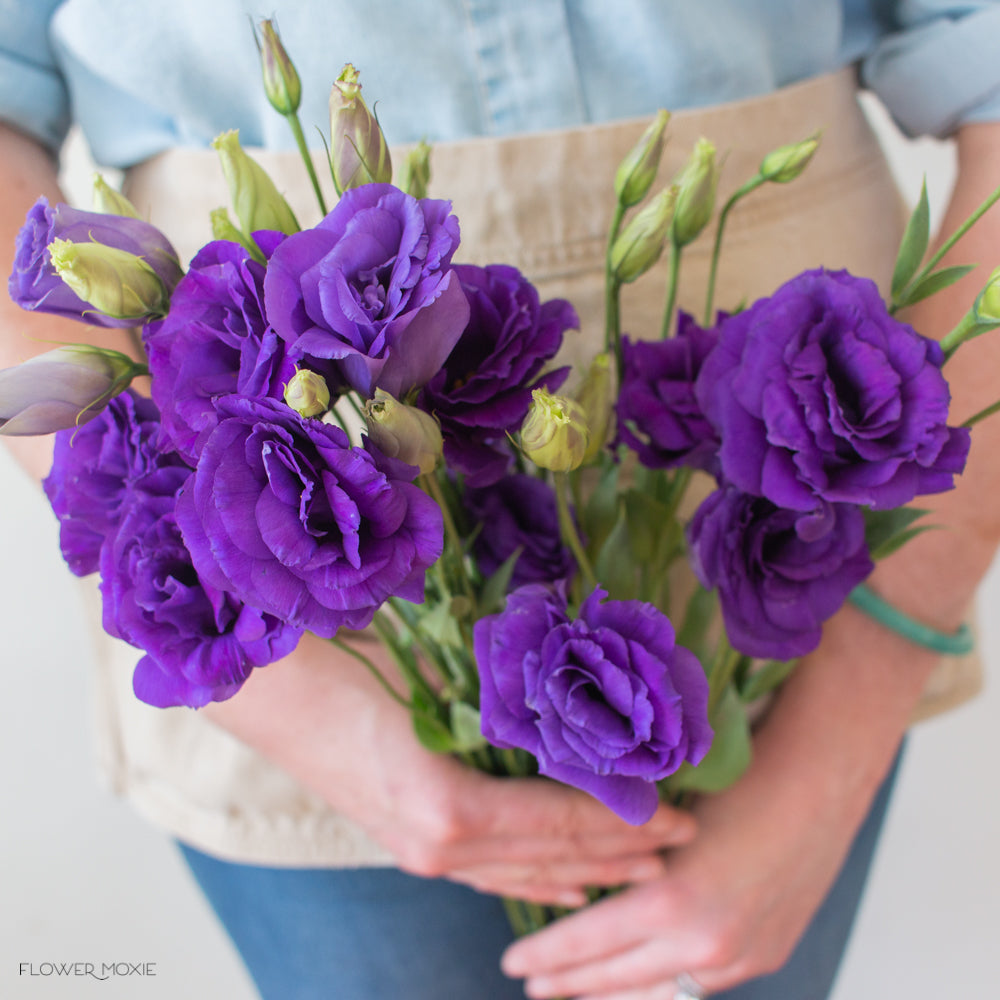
348, 430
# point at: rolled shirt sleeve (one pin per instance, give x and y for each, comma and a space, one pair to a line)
33, 95
939, 65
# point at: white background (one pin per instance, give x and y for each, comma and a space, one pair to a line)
84, 879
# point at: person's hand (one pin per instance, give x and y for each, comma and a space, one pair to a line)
733, 904
322, 717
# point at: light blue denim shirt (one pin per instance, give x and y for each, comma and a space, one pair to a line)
142, 77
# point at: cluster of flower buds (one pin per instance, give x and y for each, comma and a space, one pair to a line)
358, 151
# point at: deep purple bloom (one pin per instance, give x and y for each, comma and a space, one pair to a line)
214, 341
34, 283
93, 469
368, 297
780, 573
200, 643
606, 702
659, 417
484, 389
820, 395
519, 512
285, 514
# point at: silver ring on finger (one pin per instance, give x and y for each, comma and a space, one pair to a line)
688, 988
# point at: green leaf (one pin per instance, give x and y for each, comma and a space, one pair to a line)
884, 529
496, 587
440, 625
898, 541
433, 733
728, 757
914, 244
766, 679
600, 513
698, 617
933, 283
466, 726
881, 526
613, 566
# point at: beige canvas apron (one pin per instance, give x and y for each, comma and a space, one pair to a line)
542, 203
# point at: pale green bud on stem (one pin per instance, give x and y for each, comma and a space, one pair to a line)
62, 388
404, 432
111, 202
636, 173
256, 201
115, 282
697, 184
639, 245
281, 81
358, 151
981, 318
554, 433
415, 174
596, 399
785, 163
307, 394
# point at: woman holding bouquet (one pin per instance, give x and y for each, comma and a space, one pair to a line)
294, 798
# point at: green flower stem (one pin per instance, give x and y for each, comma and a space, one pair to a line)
300, 141
675, 271
723, 668
433, 489
990, 201
969, 327
751, 185
569, 533
612, 295
982, 414
375, 672
413, 676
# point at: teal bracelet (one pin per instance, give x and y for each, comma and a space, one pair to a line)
954, 643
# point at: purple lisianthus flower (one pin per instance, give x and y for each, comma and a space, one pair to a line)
518, 512
286, 515
93, 469
483, 392
200, 643
34, 283
820, 395
368, 297
215, 341
606, 702
780, 573
659, 417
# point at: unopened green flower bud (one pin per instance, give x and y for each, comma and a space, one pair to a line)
115, 282
596, 399
404, 432
785, 163
256, 201
222, 226
307, 394
696, 193
281, 81
554, 433
639, 245
987, 307
358, 151
111, 202
416, 172
62, 388
637, 171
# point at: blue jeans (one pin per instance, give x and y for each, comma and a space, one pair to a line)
373, 934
